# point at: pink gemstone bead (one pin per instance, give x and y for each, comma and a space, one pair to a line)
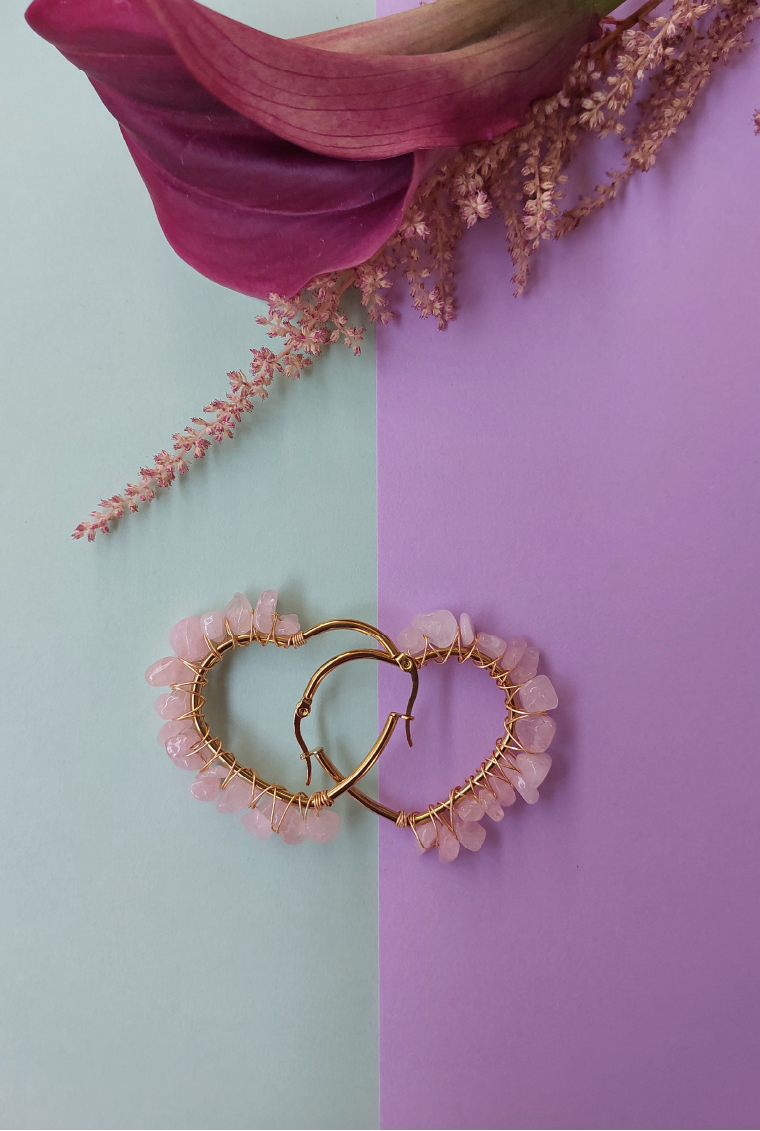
490, 804
411, 641
238, 614
534, 768
527, 667
440, 627
187, 640
528, 792
322, 825
212, 625
287, 625
173, 728
180, 750
257, 822
492, 646
167, 671
266, 607
513, 653
173, 704
504, 792
424, 837
466, 631
235, 796
538, 695
206, 785
470, 834
536, 732
292, 827
469, 808
448, 845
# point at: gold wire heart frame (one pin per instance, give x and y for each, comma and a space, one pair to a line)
259, 787
492, 767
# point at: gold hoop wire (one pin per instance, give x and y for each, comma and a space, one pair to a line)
213, 746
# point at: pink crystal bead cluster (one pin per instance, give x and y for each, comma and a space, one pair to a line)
519, 762
194, 640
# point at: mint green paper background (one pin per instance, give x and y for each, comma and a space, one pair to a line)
160, 968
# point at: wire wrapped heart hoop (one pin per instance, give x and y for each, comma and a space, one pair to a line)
518, 762
200, 644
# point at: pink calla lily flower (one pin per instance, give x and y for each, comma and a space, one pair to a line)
270, 161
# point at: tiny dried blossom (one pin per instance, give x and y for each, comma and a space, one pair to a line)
521, 174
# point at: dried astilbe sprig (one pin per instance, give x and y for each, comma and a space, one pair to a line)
666, 59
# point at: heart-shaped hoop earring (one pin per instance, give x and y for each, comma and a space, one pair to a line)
518, 763
200, 643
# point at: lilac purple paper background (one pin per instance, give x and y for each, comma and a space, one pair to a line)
581, 466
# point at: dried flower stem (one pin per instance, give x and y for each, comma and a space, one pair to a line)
521, 173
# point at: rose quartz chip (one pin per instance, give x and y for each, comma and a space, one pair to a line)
235, 796
503, 790
187, 640
173, 704
534, 768
439, 627
167, 671
180, 750
538, 695
528, 792
490, 804
466, 631
206, 785
173, 728
536, 732
257, 822
287, 625
322, 825
292, 827
238, 614
448, 845
469, 834
513, 653
492, 646
425, 836
411, 641
527, 667
212, 625
469, 808
265, 610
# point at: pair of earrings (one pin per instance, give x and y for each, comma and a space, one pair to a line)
518, 763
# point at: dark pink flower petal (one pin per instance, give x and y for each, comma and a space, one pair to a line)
241, 205
367, 106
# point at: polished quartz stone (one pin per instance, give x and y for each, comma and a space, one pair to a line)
212, 625
257, 823
538, 695
534, 768
527, 667
448, 845
287, 625
322, 825
492, 646
173, 704
503, 790
263, 615
411, 641
470, 834
167, 671
206, 785
425, 836
528, 792
492, 807
238, 614
513, 653
469, 807
439, 627
466, 630
235, 796
172, 728
186, 638
180, 750
535, 733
